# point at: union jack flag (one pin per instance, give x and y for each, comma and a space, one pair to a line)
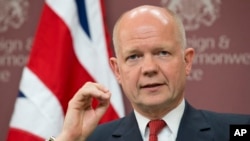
71, 47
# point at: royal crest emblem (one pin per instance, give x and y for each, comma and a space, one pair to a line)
13, 13
195, 13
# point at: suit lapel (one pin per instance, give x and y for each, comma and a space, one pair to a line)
128, 130
194, 126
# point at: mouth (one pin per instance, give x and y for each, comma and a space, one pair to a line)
153, 85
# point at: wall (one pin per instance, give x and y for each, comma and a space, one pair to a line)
217, 29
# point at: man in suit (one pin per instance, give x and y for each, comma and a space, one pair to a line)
152, 63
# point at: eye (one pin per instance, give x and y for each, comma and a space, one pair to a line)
163, 53
132, 57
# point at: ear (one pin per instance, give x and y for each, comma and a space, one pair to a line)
189, 55
115, 68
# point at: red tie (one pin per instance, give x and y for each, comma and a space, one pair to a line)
155, 126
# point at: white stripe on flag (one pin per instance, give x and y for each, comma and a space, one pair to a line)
49, 117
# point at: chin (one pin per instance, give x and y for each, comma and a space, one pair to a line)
155, 103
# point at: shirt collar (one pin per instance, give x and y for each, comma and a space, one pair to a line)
172, 119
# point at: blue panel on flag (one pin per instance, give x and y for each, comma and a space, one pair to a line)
81, 8
20, 94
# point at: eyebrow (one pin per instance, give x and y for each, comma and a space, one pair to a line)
131, 51
136, 50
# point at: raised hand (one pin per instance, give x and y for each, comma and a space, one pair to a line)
81, 118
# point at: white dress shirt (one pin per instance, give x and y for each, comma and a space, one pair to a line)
169, 132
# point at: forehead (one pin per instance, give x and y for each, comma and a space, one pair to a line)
145, 36
146, 22
146, 31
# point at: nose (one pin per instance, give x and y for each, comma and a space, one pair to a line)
149, 67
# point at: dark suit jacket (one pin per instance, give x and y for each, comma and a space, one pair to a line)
196, 125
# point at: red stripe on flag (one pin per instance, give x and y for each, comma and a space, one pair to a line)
53, 59
21, 135
108, 39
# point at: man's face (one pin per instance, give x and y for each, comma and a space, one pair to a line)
151, 65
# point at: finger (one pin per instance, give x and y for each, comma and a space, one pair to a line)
89, 90
101, 87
